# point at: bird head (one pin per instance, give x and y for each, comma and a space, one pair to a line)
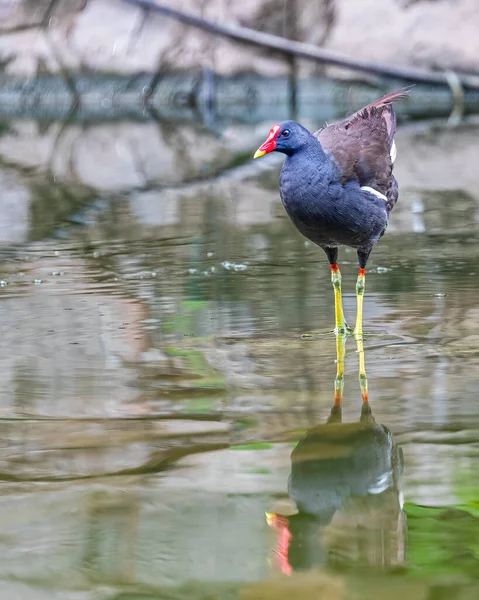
287, 137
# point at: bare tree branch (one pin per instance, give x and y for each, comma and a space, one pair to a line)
302, 50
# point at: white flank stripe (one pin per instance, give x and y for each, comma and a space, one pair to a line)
375, 192
393, 152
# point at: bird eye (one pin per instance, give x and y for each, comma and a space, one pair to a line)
286, 133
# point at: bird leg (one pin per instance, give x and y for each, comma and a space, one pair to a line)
360, 287
363, 380
340, 325
358, 333
339, 380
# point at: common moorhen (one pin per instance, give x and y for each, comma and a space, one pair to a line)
337, 185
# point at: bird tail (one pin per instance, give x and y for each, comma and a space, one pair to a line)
384, 105
388, 99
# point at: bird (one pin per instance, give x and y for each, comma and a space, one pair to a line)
338, 188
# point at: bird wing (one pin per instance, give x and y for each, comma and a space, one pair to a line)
362, 145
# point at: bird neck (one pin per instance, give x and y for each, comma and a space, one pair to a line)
311, 151
310, 163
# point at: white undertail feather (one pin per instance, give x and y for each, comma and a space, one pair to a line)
371, 190
393, 151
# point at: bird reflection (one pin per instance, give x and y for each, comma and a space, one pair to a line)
345, 482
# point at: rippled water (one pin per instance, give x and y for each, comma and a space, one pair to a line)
167, 369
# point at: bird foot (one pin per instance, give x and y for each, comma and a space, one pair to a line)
344, 330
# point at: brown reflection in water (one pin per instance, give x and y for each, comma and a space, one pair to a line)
345, 482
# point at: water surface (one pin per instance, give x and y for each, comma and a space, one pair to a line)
167, 368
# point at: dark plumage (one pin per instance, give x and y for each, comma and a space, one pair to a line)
337, 184
325, 208
320, 183
361, 145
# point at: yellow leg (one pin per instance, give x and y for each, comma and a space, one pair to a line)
339, 381
358, 333
360, 287
340, 327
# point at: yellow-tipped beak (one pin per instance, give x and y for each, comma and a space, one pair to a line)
269, 144
259, 153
